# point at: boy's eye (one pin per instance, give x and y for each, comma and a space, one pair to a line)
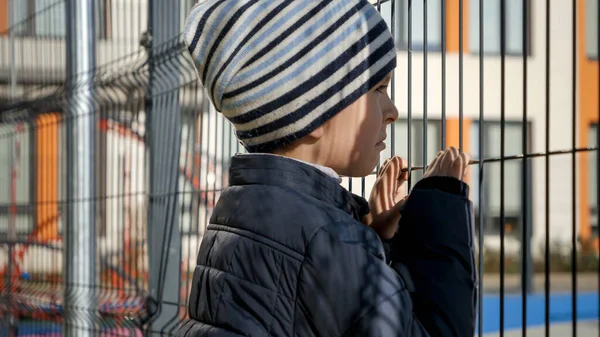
382, 89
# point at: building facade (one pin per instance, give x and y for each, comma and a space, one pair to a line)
431, 75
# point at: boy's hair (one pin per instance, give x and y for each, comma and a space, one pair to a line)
278, 69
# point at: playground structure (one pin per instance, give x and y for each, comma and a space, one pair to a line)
31, 267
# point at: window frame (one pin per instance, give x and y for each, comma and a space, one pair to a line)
28, 207
103, 22
589, 56
123, 114
433, 125
489, 219
401, 45
592, 164
507, 53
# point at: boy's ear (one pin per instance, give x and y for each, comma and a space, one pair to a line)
317, 133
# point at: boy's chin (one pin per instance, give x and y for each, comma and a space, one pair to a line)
362, 169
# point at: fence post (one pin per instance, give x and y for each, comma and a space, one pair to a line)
79, 237
164, 143
8, 323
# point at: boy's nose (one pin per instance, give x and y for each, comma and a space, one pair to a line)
390, 112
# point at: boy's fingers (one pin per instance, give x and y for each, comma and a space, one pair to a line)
398, 195
466, 158
384, 170
384, 165
457, 168
398, 206
386, 185
388, 162
402, 175
433, 165
454, 151
446, 162
395, 166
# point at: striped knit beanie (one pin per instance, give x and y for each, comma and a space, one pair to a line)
278, 69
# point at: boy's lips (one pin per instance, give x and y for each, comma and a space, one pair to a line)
381, 143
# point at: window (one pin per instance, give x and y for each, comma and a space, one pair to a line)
593, 180
47, 18
185, 9
434, 24
15, 153
416, 143
189, 177
491, 28
121, 176
513, 170
591, 27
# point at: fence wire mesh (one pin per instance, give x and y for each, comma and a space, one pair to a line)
516, 83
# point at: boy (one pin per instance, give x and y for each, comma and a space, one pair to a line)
289, 251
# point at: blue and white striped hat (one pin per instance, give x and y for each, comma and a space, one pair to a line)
278, 69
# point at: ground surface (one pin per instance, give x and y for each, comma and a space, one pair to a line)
584, 329
560, 308
559, 282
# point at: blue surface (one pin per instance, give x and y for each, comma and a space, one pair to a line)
35, 328
560, 310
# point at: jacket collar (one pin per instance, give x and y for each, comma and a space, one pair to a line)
306, 178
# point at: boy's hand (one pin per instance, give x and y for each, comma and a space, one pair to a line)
387, 197
449, 163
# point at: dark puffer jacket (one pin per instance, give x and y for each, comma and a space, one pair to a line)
285, 255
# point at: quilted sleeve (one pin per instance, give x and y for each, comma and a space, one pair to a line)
346, 289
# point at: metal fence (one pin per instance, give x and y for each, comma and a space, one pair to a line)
112, 158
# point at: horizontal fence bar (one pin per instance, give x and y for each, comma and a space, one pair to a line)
515, 157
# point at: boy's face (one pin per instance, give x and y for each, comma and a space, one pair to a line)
354, 138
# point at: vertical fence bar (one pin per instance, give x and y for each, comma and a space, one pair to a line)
574, 165
598, 145
409, 97
393, 7
392, 18
460, 71
12, 10
164, 142
80, 252
205, 120
481, 158
9, 320
525, 236
502, 153
547, 181
425, 2
443, 131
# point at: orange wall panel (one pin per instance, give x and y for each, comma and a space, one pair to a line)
453, 133
47, 177
588, 113
453, 136
3, 17
453, 24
